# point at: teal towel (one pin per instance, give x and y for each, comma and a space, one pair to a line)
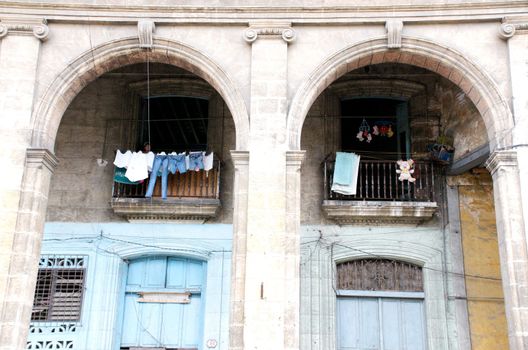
119, 177
344, 168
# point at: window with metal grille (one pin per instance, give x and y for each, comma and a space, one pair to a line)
59, 292
379, 275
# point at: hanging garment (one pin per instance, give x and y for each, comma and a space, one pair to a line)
346, 173
177, 163
150, 160
137, 167
160, 164
122, 159
208, 161
196, 161
119, 177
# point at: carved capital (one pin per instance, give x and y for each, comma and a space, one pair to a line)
511, 26
146, 30
240, 159
38, 157
500, 160
37, 28
295, 159
270, 31
394, 33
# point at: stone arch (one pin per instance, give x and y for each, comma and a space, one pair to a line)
448, 63
114, 54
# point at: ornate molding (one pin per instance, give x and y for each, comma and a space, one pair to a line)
501, 159
378, 213
38, 157
270, 31
512, 26
146, 30
38, 28
394, 33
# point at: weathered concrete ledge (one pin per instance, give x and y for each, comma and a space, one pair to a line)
378, 212
181, 210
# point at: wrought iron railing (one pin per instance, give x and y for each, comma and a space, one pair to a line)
192, 184
377, 180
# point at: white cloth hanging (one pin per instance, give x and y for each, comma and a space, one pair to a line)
122, 159
137, 167
150, 160
208, 161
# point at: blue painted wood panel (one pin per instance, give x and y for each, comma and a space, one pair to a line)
163, 324
365, 323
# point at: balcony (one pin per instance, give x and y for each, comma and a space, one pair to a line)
380, 197
192, 197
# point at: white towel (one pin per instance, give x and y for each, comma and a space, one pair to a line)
122, 159
208, 161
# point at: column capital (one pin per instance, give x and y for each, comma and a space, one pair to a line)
24, 26
37, 157
513, 25
269, 30
501, 159
239, 158
295, 158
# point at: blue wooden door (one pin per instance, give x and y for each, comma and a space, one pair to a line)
163, 324
365, 323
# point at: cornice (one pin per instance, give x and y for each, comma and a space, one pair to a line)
441, 12
24, 26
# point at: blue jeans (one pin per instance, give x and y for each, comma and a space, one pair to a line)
177, 163
160, 162
195, 161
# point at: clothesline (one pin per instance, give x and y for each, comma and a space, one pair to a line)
139, 164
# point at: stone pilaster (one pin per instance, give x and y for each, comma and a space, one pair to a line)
23, 254
267, 299
21, 198
513, 251
238, 261
294, 161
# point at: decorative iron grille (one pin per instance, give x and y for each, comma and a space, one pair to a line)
379, 275
59, 289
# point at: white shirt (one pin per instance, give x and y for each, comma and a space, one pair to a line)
122, 159
137, 167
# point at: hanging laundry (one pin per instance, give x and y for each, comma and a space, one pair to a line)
177, 163
196, 161
161, 162
208, 161
346, 173
119, 177
137, 167
122, 159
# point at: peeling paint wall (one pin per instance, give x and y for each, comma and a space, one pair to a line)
481, 258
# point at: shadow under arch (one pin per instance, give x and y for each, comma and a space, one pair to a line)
122, 52
448, 63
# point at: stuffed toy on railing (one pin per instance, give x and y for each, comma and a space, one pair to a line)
406, 170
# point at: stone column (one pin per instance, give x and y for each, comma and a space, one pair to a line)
238, 260
22, 256
512, 244
267, 299
20, 42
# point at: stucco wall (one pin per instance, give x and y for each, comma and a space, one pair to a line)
481, 263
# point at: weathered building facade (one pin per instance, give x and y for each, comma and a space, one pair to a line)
259, 252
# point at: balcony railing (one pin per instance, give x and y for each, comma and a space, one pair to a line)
378, 181
191, 197
192, 184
